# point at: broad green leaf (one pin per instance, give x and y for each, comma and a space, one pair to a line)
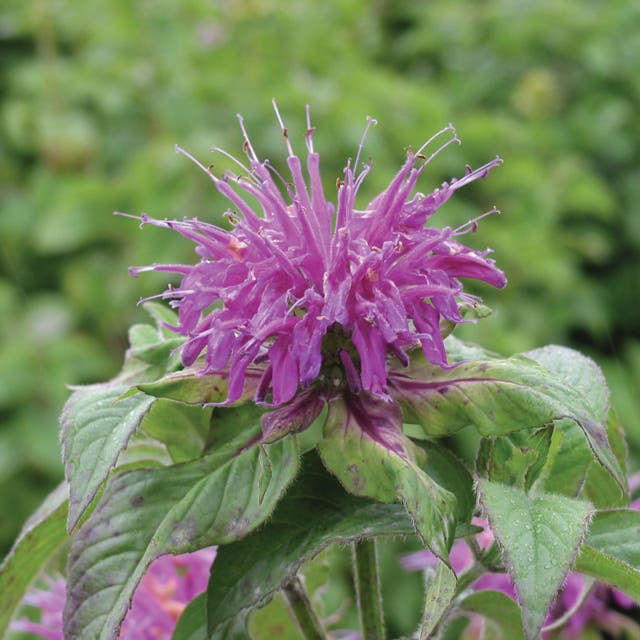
440, 590
568, 461
97, 423
315, 513
449, 472
579, 372
365, 448
98, 420
540, 535
571, 469
583, 374
146, 513
143, 451
498, 397
41, 536
459, 350
182, 428
611, 551
498, 609
599, 487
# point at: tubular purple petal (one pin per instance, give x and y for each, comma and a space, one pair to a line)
316, 295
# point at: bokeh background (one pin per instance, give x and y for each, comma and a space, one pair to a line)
94, 94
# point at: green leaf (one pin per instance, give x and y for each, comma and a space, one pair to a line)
498, 609
439, 593
568, 461
163, 315
274, 620
583, 374
146, 513
611, 551
451, 474
192, 623
41, 536
152, 352
459, 350
97, 423
315, 513
365, 448
499, 397
191, 387
518, 458
577, 371
540, 536
149, 347
454, 628
600, 487
182, 428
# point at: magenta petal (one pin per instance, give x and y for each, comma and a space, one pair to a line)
285, 371
168, 586
297, 268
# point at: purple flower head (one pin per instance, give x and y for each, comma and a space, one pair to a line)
315, 294
169, 585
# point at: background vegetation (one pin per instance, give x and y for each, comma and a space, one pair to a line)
94, 95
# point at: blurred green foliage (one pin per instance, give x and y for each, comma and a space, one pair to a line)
94, 95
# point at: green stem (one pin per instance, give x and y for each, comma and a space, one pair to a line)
367, 579
300, 606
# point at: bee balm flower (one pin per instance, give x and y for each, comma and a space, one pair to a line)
310, 295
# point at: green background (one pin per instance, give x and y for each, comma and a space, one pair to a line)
94, 95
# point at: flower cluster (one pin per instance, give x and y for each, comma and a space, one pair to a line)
169, 585
316, 294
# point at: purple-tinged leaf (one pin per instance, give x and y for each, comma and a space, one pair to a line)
498, 397
191, 386
293, 417
365, 448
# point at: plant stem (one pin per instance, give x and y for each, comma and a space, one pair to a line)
367, 579
300, 606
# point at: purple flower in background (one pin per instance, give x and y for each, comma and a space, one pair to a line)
50, 600
169, 585
311, 297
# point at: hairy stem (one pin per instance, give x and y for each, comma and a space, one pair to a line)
367, 579
300, 606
